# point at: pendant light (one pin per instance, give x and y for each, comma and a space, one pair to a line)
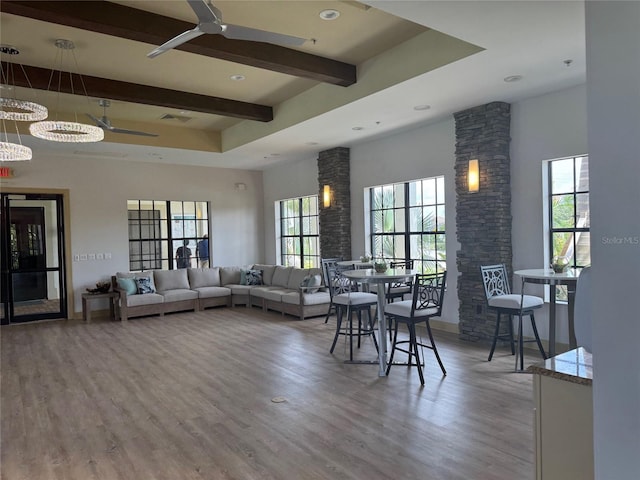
64, 131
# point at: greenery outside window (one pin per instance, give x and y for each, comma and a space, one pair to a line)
568, 212
157, 228
299, 239
407, 222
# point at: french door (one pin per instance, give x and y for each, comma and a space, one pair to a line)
32, 282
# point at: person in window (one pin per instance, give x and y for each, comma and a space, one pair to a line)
202, 251
183, 255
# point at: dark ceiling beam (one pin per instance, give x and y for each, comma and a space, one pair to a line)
39, 78
133, 24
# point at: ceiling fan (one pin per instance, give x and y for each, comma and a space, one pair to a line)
105, 124
210, 21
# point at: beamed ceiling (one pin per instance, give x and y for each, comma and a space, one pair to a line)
356, 78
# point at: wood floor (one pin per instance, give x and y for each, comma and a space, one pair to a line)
189, 397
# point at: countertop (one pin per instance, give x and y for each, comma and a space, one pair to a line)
573, 366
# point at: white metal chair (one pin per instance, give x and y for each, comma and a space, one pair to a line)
502, 301
348, 300
428, 294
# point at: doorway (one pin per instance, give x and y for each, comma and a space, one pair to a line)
32, 258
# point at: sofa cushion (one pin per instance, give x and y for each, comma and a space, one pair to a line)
171, 279
308, 299
212, 292
260, 291
145, 285
281, 276
240, 289
144, 299
204, 277
296, 277
275, 294
250, 277
230, 275
128, 285
179, 294
267, 272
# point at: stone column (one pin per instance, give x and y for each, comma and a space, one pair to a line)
335, 221
483, 218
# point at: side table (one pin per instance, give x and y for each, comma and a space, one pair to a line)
86, 304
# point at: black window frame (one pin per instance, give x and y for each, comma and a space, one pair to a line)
303, 258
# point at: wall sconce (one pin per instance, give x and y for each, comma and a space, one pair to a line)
473, 176
326, 196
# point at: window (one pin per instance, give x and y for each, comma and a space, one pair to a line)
568, 212
299, 240
407, 222
158, 229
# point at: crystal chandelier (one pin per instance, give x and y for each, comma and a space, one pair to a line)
63, 131
13, 109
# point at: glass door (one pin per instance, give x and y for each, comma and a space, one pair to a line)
32, 258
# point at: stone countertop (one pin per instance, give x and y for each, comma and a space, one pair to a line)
572, 366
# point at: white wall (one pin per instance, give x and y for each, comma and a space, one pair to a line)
98, 193
613, 80
542, 128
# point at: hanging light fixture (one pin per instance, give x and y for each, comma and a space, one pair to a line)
63, 131
14, 109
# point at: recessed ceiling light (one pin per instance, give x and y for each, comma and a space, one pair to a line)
274, 154
329, 14
513, 78
422, 107
237, 78
312, 143
357, 128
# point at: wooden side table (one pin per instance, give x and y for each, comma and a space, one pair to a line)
86, 304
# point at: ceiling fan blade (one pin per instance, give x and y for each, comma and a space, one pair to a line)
99, 122
132, 132
176, 41
205, 12
237, 32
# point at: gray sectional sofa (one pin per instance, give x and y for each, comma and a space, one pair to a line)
289, 290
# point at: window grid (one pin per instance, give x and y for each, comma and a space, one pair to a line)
408, 223
299, 239
157, 228
568, 213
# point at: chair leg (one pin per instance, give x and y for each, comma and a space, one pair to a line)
535, 333
371, 329
495, 339
511, 342
338, 325
520, 344
359, 313
433, 347
331, 307
393, 348
350, 323
413, 345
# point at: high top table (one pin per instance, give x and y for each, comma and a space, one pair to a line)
547, 276
370, 276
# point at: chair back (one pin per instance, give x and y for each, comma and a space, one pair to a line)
406, 264
402, 265
428, 292
495, 280
331, 262
582, 309
336, 282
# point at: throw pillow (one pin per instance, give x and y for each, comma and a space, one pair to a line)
311, 281
128, 285
145, 285
251, 277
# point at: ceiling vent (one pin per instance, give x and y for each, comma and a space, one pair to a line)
180, 118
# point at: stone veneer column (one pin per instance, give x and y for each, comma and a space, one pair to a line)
483, 219
335, 221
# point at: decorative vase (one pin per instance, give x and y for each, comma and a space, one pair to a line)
559, 264
380, 266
